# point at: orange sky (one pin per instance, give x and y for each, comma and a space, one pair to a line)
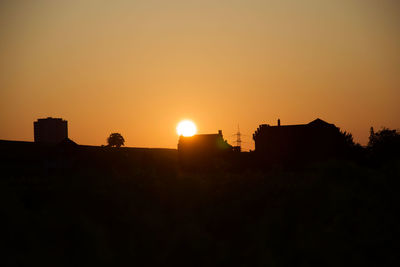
139, 67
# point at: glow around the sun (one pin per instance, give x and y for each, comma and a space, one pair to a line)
186, 128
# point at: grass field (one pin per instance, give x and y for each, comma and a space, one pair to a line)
127, 207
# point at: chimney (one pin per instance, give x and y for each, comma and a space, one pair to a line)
220, 132
279, 122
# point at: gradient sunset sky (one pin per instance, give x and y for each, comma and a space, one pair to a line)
139, 67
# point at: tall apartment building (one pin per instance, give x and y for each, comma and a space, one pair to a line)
50, 130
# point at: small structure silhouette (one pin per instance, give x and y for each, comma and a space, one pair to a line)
315, 140
201, 148
203, 143
50, 130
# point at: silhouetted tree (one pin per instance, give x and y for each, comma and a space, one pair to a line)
348, 139
371, 135
115, 139
351, 149
384, 143
383, 137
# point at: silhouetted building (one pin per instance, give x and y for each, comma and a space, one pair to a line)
315, 140
202, 146
50, 130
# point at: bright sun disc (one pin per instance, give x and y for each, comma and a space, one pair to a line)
186, 128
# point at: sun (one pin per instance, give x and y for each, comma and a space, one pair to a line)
186, 128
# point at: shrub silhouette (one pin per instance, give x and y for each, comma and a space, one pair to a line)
384, 143
347, 139
115, 140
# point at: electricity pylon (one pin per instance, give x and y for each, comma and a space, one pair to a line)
238, 139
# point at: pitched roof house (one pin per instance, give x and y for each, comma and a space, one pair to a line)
298, 142
208, 144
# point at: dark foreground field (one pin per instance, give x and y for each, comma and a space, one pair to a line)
83, 206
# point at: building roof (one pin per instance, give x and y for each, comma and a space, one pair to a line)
318, 123
203, 142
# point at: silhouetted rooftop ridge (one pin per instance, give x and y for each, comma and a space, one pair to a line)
204, 135
50, 119
317, 121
